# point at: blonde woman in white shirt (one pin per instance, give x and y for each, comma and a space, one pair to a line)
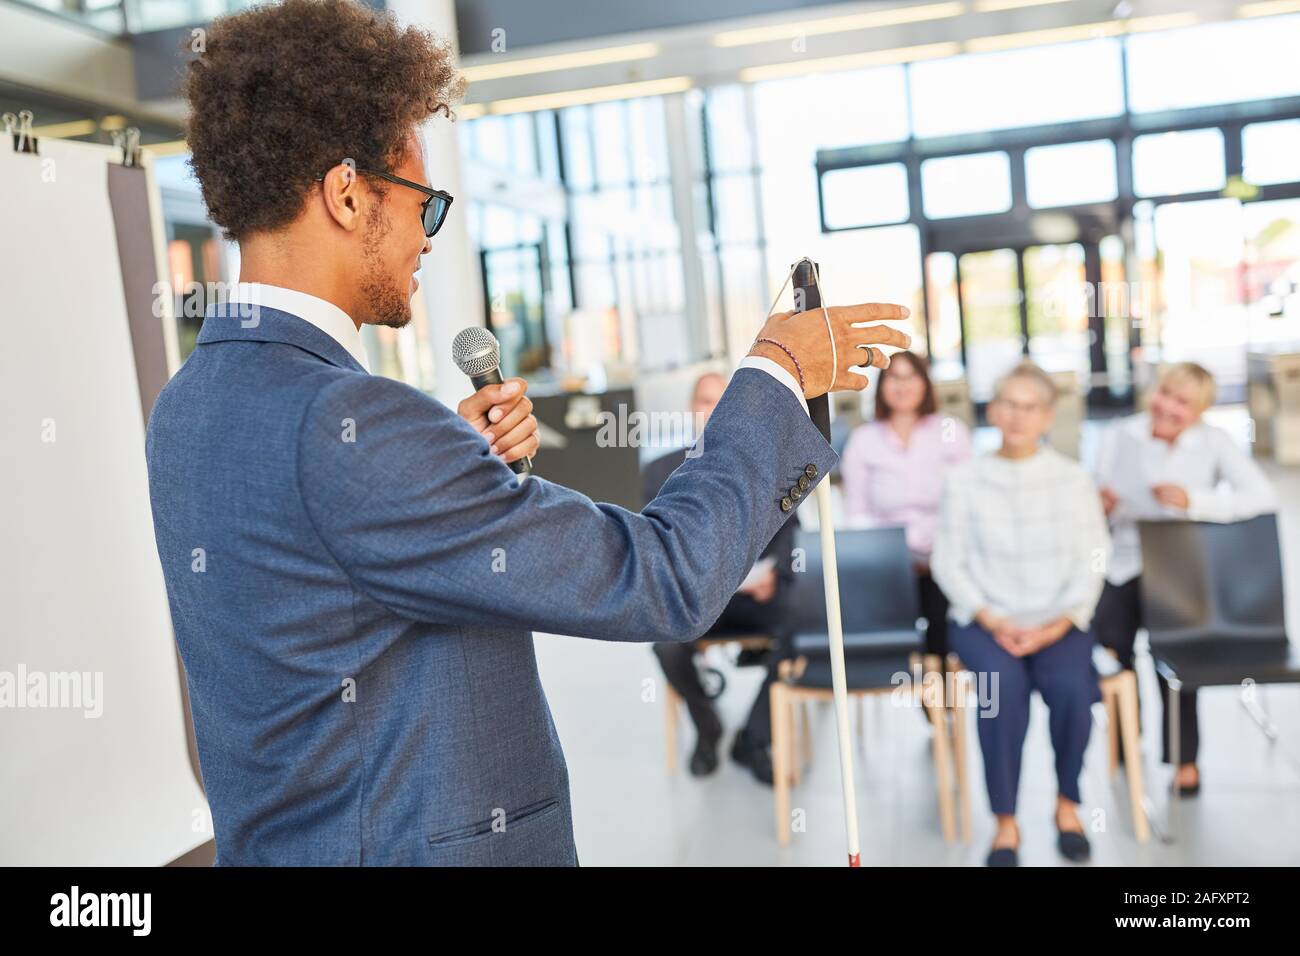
1168, 463
1020, 552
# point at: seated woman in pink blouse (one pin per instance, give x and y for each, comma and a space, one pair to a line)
893, 470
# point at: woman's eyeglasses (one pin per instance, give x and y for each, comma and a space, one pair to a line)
433, 212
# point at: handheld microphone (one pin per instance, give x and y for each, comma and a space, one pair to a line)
808, 297
477, 353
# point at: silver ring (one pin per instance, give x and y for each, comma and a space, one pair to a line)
870, 357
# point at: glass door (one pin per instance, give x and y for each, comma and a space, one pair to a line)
991, 303
1195, 255
1047, 302
1056, 300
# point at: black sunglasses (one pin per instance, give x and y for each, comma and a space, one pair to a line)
433, 212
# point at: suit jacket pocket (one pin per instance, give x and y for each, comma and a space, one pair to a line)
536, 834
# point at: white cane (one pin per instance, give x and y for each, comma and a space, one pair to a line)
807, 297
839, 682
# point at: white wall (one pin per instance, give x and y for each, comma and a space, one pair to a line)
451, 289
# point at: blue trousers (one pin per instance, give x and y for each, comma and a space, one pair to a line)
1062, 673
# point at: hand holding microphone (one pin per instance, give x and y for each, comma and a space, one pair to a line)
498, 409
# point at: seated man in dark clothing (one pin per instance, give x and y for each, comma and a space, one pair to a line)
757, 608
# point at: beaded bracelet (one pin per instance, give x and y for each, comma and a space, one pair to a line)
797, 367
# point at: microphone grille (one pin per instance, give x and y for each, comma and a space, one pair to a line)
475, 351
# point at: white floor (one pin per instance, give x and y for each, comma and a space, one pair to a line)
607, 702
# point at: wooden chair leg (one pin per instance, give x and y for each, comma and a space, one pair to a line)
942, 749
960, 734
1109, 698
933, 664
792, 739
781, 747
1128, 720
671, 702
807, 749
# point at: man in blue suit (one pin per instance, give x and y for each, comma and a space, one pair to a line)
353, 570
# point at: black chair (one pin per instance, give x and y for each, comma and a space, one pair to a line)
879, 613
1212, 604
879, 607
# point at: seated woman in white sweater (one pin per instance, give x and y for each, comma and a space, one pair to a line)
1020, 551
1167, 463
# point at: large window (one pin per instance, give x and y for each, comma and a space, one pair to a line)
628, 272
1171, 164
610, 271
523, 254
865, 196
524, 269
523, 143
579, 162
966, 185
1271, 152
1217, 63
1034, 87
1071, 174
1009, 178
732, 246
1023, 239
763, 143
802, 115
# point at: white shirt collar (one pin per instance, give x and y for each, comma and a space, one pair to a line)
1193, 436
326, 316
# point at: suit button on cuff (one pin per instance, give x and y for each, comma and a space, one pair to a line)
810, 470
786, 504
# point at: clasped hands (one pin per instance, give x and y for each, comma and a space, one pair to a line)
1021, 641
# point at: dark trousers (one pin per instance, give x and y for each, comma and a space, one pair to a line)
1063, 675
1116, 623
934, 608
743, 615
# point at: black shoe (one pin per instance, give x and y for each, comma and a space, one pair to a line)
708, 734
757, 759
1073, 846
705, 758
1002, 856
1185, 790
1189, 790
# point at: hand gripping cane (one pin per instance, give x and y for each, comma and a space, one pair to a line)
808, 297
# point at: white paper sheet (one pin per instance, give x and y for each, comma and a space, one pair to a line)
758, 572
80, 583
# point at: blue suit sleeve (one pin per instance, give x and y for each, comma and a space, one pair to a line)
423, 519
